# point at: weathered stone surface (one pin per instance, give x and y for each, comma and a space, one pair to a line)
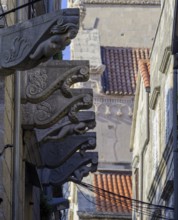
74, 169
48, 112
39, 83
31, 148
55, 153
49, 34
87, 117
123, 2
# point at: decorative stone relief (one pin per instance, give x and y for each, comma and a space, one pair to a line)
56, 152
74, 169
39, 83
112, 108
87, 118
49, 34
50, 111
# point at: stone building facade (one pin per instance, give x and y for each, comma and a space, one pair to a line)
153, 127
114, 35
93, 34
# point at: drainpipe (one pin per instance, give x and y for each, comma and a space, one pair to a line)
16, 165
17, 127
175, 148
144, 146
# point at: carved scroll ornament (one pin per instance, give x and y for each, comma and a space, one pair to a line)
55, 153
47, 113
39, 83
74, 169
25, 45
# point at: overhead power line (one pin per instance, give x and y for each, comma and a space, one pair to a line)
19, 7
138, 206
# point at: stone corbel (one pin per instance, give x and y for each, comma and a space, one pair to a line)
39, 83
74, 169
65, 128
154, 97
27, 44
50, 111
55, 153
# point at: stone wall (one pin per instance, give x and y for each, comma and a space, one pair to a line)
6, 134
157, 164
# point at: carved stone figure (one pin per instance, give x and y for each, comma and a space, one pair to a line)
80, 128
83, 116
54, 44
49, 33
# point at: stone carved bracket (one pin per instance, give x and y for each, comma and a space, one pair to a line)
55, 153
66, 127
50, 111
49, 34
39, 83
74, 169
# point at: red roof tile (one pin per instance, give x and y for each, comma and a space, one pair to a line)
116, 183
144, 68
121, 69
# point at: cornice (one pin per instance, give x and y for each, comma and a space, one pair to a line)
165, 60
154, 97
123, 2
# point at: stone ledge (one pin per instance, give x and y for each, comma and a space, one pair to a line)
103, 215
123, 2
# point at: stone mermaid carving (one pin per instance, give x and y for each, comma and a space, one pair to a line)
80, 128
49, 34
61, 36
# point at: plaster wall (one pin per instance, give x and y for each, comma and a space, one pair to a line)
123, 26
113, 129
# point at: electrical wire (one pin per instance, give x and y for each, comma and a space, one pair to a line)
150, 210
128, 198
124, 204
136, 206
5, 20
145, 213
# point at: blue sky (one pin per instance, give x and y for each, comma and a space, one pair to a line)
64, 3
66, 52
